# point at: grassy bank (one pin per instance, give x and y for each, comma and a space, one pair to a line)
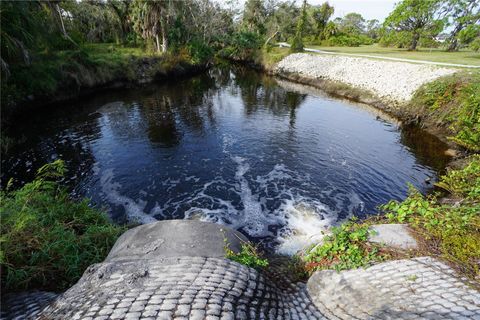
63, 74
50, 71
452, 103
48, 240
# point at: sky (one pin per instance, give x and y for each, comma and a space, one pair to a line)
369, 9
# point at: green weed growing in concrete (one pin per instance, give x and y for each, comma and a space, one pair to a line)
248, 256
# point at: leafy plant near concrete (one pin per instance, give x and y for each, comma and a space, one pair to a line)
455, 100
248, 256
345, 248
463, 183
451, 231
48, 240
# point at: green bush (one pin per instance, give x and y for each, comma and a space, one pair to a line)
344, 40
48, 240
345, 248
244, 45
199, 52
297, 44
463, 183
475, 45
399, 39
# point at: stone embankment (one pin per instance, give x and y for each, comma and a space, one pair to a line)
392, 82
178, 270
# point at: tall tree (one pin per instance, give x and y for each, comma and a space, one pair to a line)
415, 17
254, 16
121, 8
18, 30
352, 23
282, 22
321, 15
461, 14
297, 43
58, 14
372, 28
152, 20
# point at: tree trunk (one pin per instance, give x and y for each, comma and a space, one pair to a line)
157, 41
64, 31
61, 21
270, 38
164, 41
453, 46
413, 44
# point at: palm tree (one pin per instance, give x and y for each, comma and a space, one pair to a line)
152, 19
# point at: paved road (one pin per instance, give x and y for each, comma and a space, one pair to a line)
444, 64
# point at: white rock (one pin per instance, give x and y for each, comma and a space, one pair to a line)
389, 80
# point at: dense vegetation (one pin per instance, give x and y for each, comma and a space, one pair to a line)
44, 43
454, 102
48, 240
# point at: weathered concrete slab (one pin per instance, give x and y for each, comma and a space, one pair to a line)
393, 235
180, 288
154, 272
175, 238
420, 288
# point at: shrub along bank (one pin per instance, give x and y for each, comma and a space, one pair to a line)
47, 240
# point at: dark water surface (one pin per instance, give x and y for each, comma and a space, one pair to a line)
230, 146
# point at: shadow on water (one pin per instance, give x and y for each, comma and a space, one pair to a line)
231, 146
428, 149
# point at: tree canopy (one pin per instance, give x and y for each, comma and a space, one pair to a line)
415, 18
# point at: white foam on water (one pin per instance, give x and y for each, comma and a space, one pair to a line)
304, 227
303, 220
133, 209
265, 206
255, 221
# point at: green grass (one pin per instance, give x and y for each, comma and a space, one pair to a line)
463, 56
463, 183
271, 56
47, 240
66, 68
454, 102
68, 71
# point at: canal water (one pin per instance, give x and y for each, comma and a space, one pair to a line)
277, 161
